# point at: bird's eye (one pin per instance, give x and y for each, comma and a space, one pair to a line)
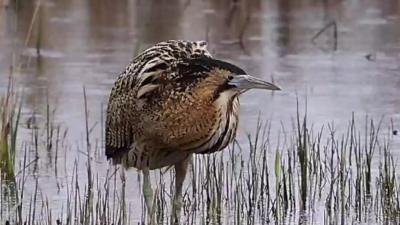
230, 77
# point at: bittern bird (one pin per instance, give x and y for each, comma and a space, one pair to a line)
172, 101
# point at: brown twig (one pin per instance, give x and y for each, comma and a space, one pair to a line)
326, 27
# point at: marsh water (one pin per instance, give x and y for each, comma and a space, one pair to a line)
54, 49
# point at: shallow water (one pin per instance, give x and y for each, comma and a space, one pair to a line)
86, 44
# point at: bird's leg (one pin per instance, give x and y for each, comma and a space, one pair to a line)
180, 174
148, 195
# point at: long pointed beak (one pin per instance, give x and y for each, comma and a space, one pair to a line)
246, 82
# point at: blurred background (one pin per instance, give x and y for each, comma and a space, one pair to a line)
335, 57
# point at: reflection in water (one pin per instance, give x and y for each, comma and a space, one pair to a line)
156, 21
235, 25
103, 26
88, 43
283, 27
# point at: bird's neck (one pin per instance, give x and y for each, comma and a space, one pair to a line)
227, 101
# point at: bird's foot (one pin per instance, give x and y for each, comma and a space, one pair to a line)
150, 205
176, 211
149, 198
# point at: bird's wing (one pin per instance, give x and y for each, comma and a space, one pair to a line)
124, 124
120, 118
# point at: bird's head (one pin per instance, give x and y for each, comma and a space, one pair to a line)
223, 78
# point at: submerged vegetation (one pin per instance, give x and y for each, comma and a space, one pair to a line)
303, 174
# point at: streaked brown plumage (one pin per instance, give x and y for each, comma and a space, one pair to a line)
172, 101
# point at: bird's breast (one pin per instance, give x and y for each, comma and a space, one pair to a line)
224, 130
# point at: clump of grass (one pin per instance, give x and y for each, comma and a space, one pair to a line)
389, 188
10, 111
302, 152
